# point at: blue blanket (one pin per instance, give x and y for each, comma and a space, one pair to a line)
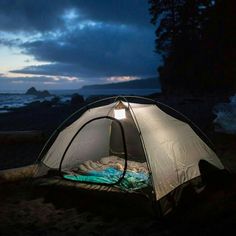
131, 181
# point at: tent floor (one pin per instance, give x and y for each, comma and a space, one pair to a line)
64, 193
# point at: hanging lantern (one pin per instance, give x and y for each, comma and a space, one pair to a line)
119, 111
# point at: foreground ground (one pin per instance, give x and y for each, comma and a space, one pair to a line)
26, 209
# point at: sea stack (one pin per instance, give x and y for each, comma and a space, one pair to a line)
34, 91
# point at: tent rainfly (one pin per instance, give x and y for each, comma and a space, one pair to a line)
129, 146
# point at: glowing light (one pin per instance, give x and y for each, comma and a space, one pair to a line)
119, 111
120, 114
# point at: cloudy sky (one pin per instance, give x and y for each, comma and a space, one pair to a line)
65, 44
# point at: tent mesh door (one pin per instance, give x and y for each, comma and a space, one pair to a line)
88, 158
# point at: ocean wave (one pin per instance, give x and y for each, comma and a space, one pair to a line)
10, 101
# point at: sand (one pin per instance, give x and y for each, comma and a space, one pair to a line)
33, 210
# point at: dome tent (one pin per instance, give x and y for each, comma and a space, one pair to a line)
131, 144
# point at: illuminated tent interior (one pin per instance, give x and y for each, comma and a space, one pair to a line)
129, 146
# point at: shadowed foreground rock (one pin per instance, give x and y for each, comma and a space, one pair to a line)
13, 137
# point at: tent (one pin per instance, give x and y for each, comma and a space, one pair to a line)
131, 145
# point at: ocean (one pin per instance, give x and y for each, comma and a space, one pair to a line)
15, 99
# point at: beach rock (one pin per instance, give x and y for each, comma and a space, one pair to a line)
34, 91
39, 105
27, 136
55, 100
76, 99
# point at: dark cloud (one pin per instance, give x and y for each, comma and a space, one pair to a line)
19, 83
8, 42
87, 39
97, 51
134, 12
44, 15
28, 15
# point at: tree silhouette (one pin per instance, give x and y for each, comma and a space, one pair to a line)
196, 40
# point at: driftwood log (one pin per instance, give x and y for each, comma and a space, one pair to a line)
15, 137
16, 174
